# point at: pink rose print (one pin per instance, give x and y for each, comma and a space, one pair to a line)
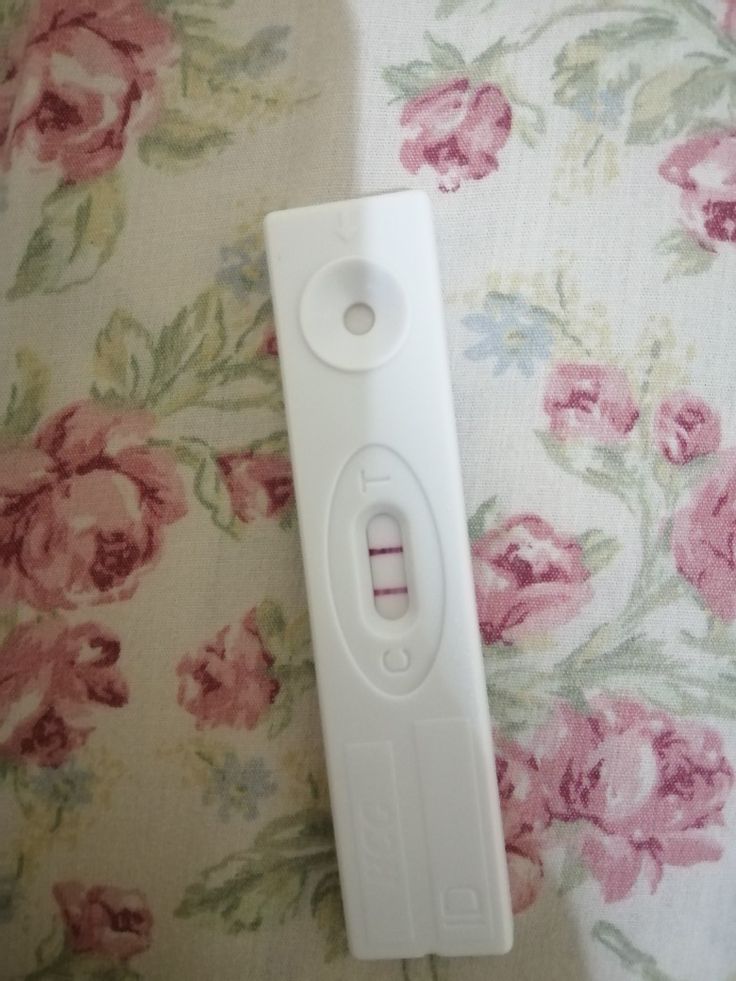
82, 510
461, 128
703, 537
705, 168
82, 80
113, 923
589, 400
259, 484
525, 817
685, 427
729, 18
527, 578
53, 676
525, 874
229, 681
647, 786
268, 347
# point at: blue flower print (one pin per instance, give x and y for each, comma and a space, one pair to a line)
244, 267
237, 786
512, 331
64, 788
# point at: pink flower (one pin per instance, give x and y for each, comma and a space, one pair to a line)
685, 427
527, 578
647, 786
268, 348
82, 510
82, 79
704, 540
229, 681
523, 805
729, 18
461, 128
589, 400
705, 168
525, 817
259, 484
52, 676
114, 923
525, 874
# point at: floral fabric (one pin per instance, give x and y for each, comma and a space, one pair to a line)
163, 802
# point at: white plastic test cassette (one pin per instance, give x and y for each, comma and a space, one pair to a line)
401, 687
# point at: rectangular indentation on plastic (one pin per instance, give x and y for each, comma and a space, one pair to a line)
388, 569
455, 843
378, 838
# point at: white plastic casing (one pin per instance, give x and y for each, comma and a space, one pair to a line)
399, 668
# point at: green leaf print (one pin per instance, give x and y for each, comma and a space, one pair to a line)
8, 623
520, 691
70, 966
639, 665
179, 139
203, 357
717, 641
446, 8
295, 678
209, 485
210, 65
410, 80
578, 65
638, 963
197, 333
573, 872
190, 343
27, 398
124, 361
444, 55
290, 646
478, 521
11, 10
529, 121
522, 688
666, 103
79, 228
263, 52
10, 878
599, 466
598, 549
267, 883
273, 443
270, 620
446, 63
327, 910
689, 257
50, 946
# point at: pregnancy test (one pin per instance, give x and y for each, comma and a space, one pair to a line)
402, 694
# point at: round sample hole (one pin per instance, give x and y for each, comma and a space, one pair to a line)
359, 318
353, 313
